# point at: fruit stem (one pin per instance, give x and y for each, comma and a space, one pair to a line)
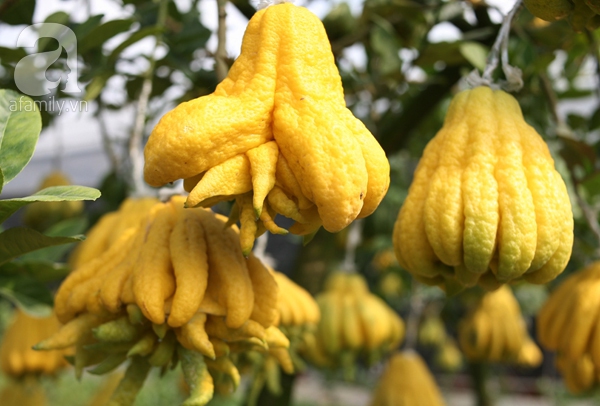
479, 372
499, 53
266, 3
415, 310
353, 240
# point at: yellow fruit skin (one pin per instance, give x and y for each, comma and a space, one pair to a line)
222, 182
266, 293
17, 358
204, 132
282, 107
190, 265
334, 178
153, 279
485, 200
406, 380
263, 165
228, 275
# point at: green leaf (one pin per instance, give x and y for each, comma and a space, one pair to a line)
28, 294
20, 12
50, 194
14, 55
59, 17
592, 184
1, 180
93, 89
133, 38
102, 33
595, 120
65, 228
475, 53
42, 271
20, 126
18, 241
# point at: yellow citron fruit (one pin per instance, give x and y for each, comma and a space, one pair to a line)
41, 215
486, 205
406, 380
569, 321
579, 374
277, 126
354, 322
16, 356
494, 329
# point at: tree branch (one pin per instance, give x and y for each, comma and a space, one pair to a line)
221, 53
137, 135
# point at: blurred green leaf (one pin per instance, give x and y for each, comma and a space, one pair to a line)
577, 122
1, 180
592, 184
42, 271
27, 293
19, 12
574, 94
475, 53
577, 153
102, 33
94, 88
18, 241
83, 29
11, 55
50, 194
132, 39
65, 228
595, 120
447, 52
57, 18
20, 126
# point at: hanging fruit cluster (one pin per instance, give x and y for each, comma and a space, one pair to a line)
275, 135
569, 323
297, 319
494, 331
581, 14
16, 356
24, 365
486, 205
173, 286
354, 323
580, 375
406, 380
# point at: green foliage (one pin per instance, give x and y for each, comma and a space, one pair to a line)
17, 241
20, 127
23, 282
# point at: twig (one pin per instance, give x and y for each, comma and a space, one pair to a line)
107, 142
591, 215
596, 51
415, 311
137, 136
221, 53
353, 240
499, 53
